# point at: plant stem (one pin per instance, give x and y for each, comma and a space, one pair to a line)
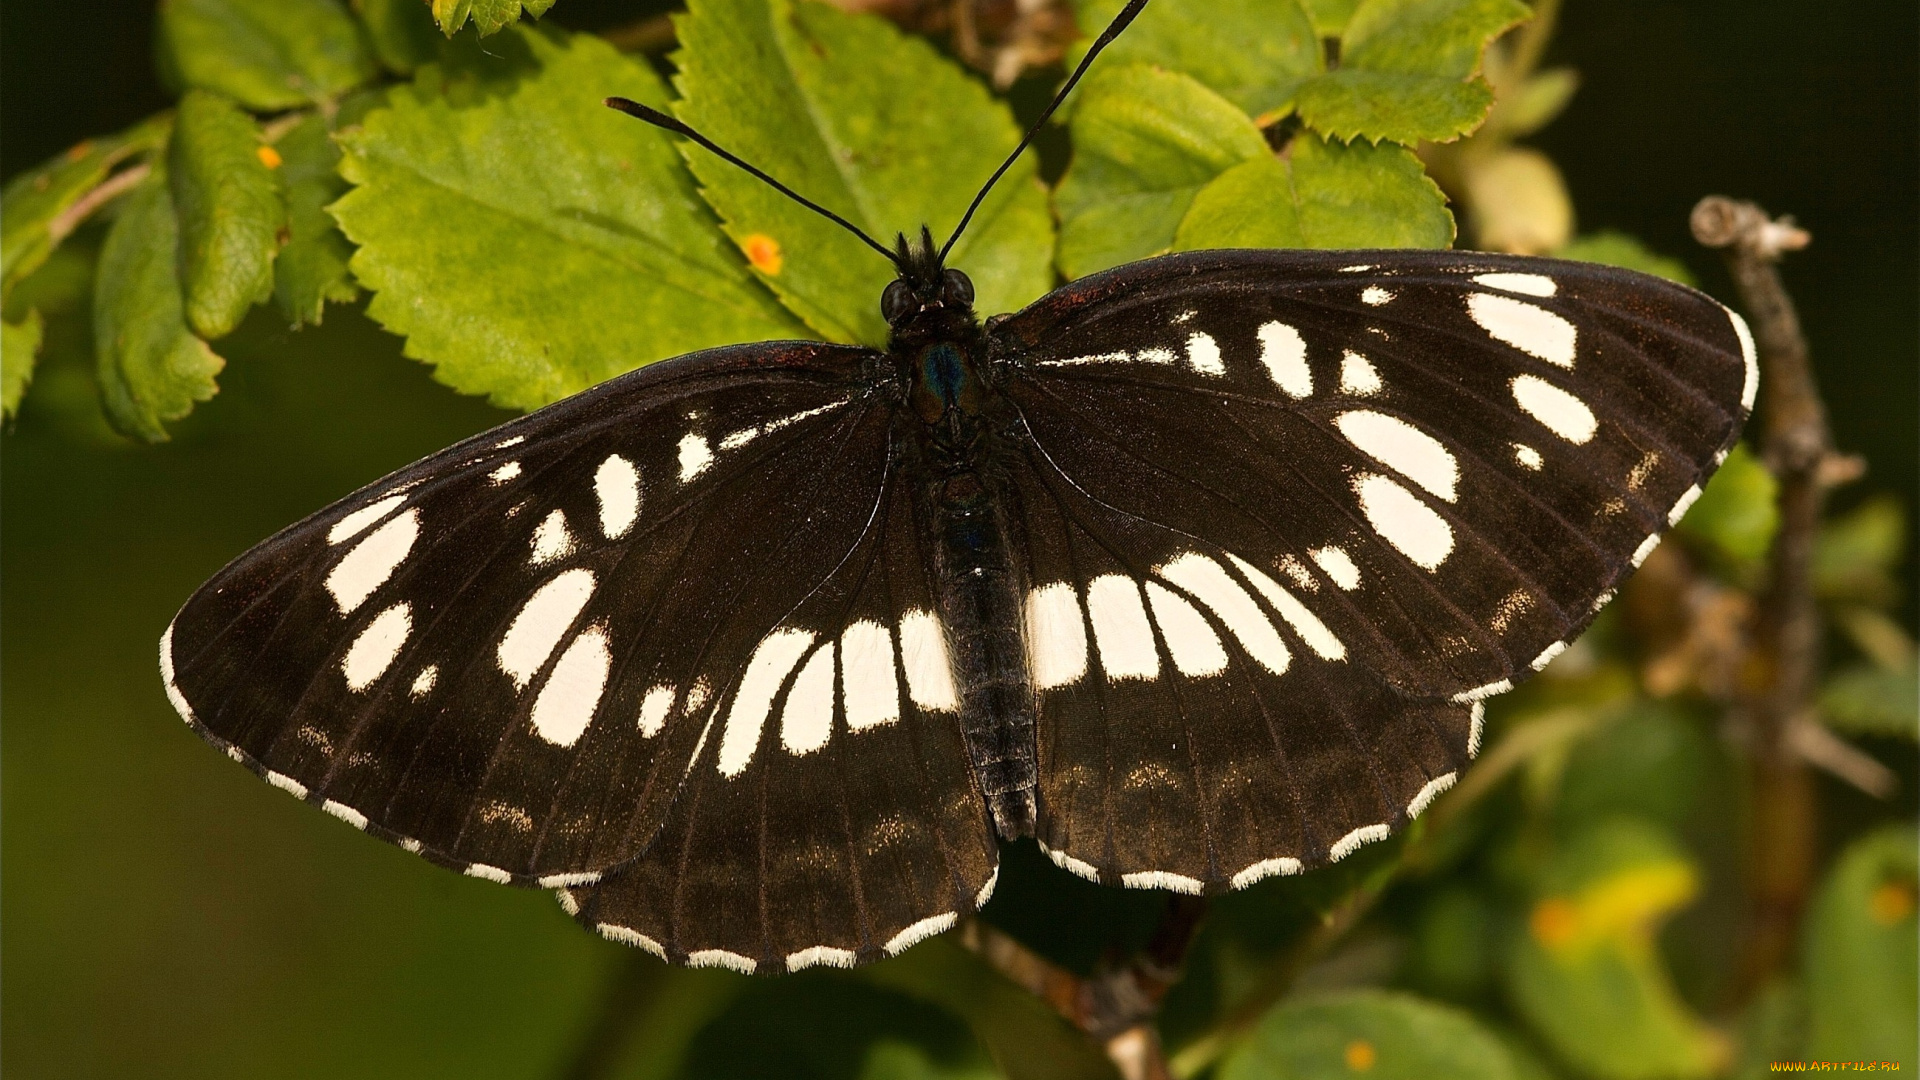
1778, 691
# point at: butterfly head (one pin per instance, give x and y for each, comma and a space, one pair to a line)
926, 288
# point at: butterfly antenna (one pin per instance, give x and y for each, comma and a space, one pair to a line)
1100, 43
662, 120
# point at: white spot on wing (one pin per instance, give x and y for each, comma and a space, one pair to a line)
1197, 651
1162, 879
1304, 622
1284, 352
355, 523
1404, 448
1076, 867
923, 652
552, 540
1481, 693
423, 682
919, 932
1203, 353
504, 473
1645, 549
1375, 296
488, 873
820, 956
1121, 629
1357, 375
1547, 654
1750, 385
369, 564
174, 695
722, 958
515, 441
1404, 521
287, 784
572, 692
375, 649
1266, 868
630, 937
1298, 573
567, 881
806, 722
1056, 636
739, 438
867, 676
1530, 284
1527, 456
1528, 327
346, 813
567, 903
772, 659
986, 891
1338, 565
1684, 504
1430, 792
617, 485
1351, 842
546, 615
653, 710
695, 456
1563, 414
1476, 724
1210, 583
1155, 356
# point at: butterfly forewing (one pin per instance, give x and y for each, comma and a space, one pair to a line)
503, 655
1367, 489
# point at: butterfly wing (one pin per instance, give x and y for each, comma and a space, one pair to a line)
508, 656
856, 719
1362, 491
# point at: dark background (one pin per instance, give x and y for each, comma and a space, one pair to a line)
158, 901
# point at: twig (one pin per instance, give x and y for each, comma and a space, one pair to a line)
112, 187
653, 34
1116, 1008
1778, 694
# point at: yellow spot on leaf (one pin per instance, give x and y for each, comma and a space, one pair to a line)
269, 157
1361, 1055
1554, 922
80, 149
1892, 902
763, 252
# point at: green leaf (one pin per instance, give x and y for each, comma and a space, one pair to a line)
1409, 71
1856, 553
1372, 1033
1585, 971
34, 208
230, 211
1534, 103
1619, 249
1735, 518
871, 123
1871, 700
151, 367
1145, 141
530, 242
1321, 195
268, 54
19, 346
312, 267
489, 16
891, 1059
1255, 53
402, 31
1329, 16
1861, 953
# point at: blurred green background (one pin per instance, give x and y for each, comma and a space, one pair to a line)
165, 914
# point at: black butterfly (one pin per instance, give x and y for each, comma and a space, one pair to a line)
1197, 570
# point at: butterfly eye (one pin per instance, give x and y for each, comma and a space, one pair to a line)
959, 288
897, 302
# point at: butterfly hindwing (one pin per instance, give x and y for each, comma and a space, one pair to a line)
1410, 478
499, 655
831, 816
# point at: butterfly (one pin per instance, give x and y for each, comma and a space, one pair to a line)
1198, 571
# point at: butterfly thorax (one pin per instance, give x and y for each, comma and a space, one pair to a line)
939, 356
